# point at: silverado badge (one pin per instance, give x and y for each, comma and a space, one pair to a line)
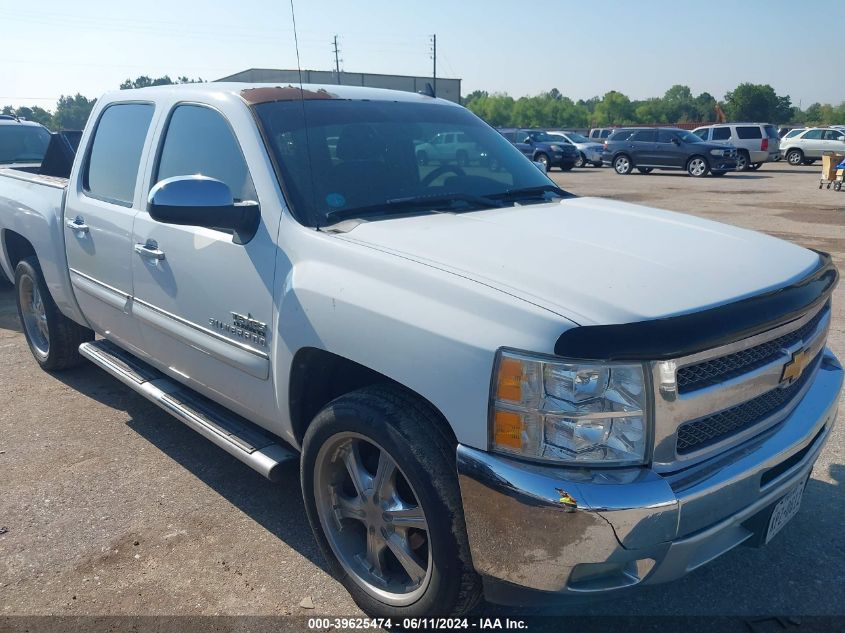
795, 367
242, 326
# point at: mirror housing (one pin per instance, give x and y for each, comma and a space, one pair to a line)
202, 201
528, 140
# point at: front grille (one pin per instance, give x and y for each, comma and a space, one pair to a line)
718, 370
703, 432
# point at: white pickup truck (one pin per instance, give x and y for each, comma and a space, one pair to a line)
492, 386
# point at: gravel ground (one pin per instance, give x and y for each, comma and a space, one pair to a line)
110, 506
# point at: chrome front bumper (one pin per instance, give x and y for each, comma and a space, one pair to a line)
586, 531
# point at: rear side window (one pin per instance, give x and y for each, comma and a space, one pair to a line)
644, 136
814, 135
112, 169
620, 135
749, 131
721, 133
200, 141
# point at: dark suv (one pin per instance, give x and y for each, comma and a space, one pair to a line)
646, 149
542, 147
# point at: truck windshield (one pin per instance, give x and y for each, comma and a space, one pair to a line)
23, 143
337, 156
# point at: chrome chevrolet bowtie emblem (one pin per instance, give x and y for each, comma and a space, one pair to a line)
795, 367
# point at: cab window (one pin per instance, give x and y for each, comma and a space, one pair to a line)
111, 171
721, 133
199, 140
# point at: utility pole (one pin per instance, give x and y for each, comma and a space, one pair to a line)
434, 58
336, 59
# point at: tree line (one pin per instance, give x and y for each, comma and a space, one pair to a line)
552, 109
71, 112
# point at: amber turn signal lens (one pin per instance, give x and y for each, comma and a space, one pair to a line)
507, 430
509, 382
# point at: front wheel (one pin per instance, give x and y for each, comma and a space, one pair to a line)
581, 160
698, 167
795, 157
622, 165
381, 493
53, 339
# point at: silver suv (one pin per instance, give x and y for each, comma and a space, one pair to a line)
756, 143
808, 146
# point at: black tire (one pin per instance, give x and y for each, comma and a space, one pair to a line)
743, 160
622, 164
422, 157
63, 336
794, 157
645, 170
542, 157
755, 166
408, 429
698, 166
581, 161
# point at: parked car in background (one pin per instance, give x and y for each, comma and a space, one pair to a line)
22, 143
588, 151
542, 147
646, 149
809, 146
755, 143
790, 133
450, 147
601, 133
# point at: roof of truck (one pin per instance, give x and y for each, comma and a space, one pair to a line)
254, 93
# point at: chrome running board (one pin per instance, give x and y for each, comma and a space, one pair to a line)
255, 447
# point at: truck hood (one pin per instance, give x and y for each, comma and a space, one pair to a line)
596, 261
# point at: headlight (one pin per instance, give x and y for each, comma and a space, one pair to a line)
557, 410
556, 148
720, 152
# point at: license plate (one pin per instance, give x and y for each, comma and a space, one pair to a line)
785, 509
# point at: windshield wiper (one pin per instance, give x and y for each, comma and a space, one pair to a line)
531, 192
433, 203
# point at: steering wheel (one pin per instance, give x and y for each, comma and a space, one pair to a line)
443, 169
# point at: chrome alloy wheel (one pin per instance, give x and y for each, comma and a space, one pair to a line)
697, 167
622, 165
34, 315
372, 519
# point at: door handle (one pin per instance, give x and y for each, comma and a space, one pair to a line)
77, 224
149, 250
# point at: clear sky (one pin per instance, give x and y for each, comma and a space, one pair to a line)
582, 48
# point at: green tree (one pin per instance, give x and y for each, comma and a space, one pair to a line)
752, 102
72, 112
614, 109
145, 82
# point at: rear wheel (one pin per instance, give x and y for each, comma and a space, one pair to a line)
581, 161
795, 157
53, 339
755, 166
742, 160
542, 158
622, 165
382, 497
698, 166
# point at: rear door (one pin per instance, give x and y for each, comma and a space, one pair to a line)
206, 308
834, 141
102, 201
642, 145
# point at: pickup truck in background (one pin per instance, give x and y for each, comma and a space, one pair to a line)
493, 387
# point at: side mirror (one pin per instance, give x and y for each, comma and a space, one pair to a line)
202, 201
528, 140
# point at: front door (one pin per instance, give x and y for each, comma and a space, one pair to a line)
205, 300
102, 201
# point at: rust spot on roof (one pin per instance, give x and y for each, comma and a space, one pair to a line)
283, 93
